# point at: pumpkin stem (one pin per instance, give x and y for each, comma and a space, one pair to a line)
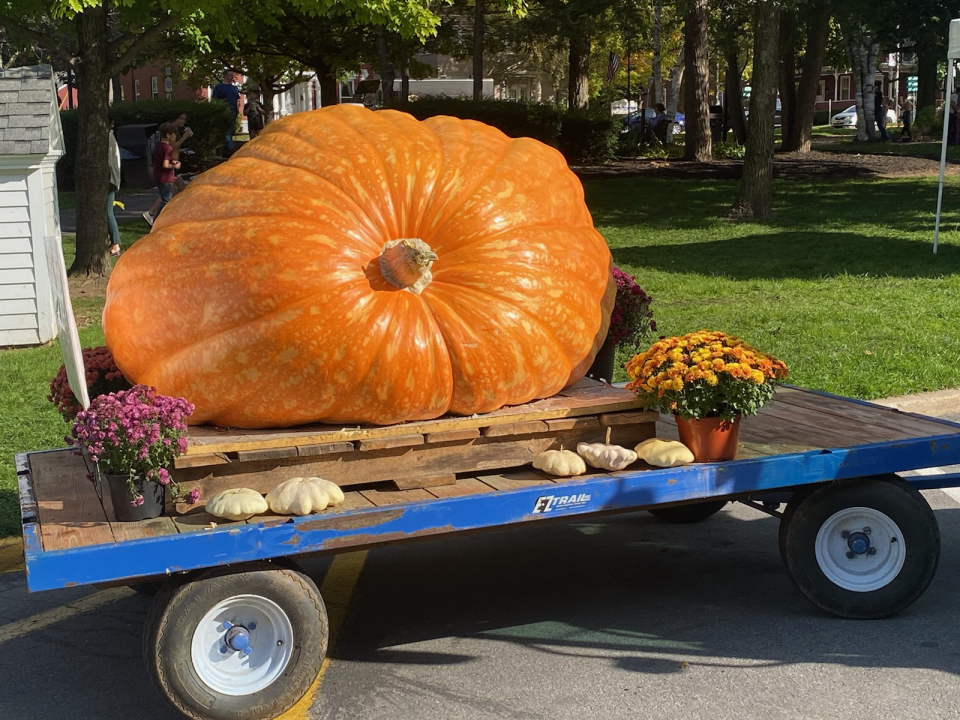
405, 263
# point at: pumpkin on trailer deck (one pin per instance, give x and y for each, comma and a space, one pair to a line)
303, 496
351, 266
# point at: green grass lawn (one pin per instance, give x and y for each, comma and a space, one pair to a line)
842, 285
924, 148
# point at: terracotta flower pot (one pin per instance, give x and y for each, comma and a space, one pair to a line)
710, 439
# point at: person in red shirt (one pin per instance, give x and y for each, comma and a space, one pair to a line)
164, 166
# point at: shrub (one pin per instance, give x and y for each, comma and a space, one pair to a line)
821, 117
927, 123
208, 120
582, 136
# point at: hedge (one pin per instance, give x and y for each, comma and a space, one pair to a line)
581, 135
208, 120
821, 117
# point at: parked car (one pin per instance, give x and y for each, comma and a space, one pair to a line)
633, 119
848, 118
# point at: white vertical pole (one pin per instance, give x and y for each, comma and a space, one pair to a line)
943, 151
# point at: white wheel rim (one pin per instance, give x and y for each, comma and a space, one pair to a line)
225, 634
860, 549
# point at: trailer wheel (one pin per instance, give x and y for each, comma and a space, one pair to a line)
864, 549
243, 643
692, 513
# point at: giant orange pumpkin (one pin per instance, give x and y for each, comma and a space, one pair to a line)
353, 266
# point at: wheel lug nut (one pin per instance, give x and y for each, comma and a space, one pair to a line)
866, 531
251, 626
223, 649
845, 534
851, 555
871, 551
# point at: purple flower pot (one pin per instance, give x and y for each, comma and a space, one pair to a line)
123, 511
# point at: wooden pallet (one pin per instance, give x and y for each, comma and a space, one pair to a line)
411, 455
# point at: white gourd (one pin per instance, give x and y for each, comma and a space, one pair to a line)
561, 463
303, 496
606, 457
236, 504
664, 453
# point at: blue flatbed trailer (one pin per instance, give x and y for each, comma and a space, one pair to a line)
238, 631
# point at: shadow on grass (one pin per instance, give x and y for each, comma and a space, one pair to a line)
906, 204
799, 255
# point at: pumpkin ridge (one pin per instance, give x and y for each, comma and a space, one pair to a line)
208, 262
512, 229
451, 215
375, 222
445, 210
190, 345
212, 180
333, 114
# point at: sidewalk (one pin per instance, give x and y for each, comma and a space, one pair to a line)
134, 205
940, 403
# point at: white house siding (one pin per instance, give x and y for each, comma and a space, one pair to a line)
19, 321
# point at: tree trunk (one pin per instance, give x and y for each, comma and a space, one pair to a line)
404, 73
927, 83
478, 31
116, 88
733, 93
676, 82
387, 71
268, 94
801, 123
578, 90
788, 75
697, 102
657, 60
92, 170
756, 185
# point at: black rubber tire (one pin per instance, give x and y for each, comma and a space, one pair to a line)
899, 501
787, 517
692, 513
173, 619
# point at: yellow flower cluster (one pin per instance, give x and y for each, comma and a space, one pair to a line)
700, 358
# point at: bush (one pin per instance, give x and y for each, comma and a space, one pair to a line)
821, 117
928, 123
582, 136
208, 120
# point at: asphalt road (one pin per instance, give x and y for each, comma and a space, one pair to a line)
623, 618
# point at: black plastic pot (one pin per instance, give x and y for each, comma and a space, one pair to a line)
602, 368
120, 497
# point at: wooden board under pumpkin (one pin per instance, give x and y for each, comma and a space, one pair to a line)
415, 461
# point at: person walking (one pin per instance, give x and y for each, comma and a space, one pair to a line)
114, 161
229, 93
183, 134
164, 167
880, 112
906, 135
255, 113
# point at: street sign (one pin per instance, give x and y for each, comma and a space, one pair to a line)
912, 83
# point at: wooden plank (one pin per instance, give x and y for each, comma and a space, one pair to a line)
517, 480
198, 520
588, 397
354, 501
267, 454
525, 428
572, 423
143, 529
385, 443
892, 418
395, 497
60, 536
424, 481
436, 438
346, 469
325, 449
853, 431
191, 461
629, 418
463, 486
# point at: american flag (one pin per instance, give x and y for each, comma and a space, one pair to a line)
612, 66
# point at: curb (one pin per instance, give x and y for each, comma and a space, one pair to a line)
935, 404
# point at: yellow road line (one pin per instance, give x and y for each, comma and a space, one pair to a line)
45, 619
336, 590
11, 555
